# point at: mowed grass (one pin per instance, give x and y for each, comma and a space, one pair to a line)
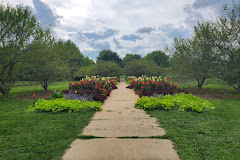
213, 86
209, 135
26, 88
37, 136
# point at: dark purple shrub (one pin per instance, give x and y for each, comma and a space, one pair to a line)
72, 96
95, 94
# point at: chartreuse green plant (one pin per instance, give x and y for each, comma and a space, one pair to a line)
62, 104
180, 101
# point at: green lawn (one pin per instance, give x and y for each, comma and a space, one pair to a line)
215, 84
29, 89
37, 136
210, 135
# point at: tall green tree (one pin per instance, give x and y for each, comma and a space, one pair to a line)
226, 42
195, 58
129, 58
103, 69
107, 55
142, 67
159, 57
45, 66
18, 30
70, 55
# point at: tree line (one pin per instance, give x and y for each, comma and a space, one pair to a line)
212, 51
109, 63
30, 52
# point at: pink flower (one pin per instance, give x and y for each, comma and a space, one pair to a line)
34, 95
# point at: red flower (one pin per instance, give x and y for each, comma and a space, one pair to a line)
34, 95
148, 82
44, 97
50, 95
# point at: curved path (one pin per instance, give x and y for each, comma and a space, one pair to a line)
119, 118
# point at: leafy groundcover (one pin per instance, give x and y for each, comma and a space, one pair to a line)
180, 101
63, 104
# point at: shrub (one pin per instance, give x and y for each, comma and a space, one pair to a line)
102, 69
62, 104
147, 86
71, 96
96, 95
141, 67
181, 101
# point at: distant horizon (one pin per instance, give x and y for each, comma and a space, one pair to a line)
136, 27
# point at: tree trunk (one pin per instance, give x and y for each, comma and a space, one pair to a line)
238, 88
200, 82
45, 86
4, 91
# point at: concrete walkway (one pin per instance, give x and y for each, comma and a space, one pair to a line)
119, 118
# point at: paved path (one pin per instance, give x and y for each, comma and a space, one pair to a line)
119, 118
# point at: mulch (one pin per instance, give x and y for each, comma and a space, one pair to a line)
202, 93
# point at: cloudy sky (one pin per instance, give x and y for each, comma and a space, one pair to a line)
124, 26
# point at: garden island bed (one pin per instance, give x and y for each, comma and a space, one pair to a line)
86, 95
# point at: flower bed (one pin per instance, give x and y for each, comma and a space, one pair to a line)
148, 86
98, 87
86, 95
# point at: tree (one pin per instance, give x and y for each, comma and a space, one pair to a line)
45, 66
18, 30
107, 55
226, 42
102, 68
129, 58
159, 57
70, 55
141, 67
195, 58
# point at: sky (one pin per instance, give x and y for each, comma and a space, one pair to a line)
123, 26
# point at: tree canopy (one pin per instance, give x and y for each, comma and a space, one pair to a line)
108, 55
159, 57
129, 58
212, 51
18, 31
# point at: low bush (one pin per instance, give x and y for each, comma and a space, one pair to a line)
62, 104
148, 86
102, 85
71, 96
141, 67
180, 101
102, 68
97, 96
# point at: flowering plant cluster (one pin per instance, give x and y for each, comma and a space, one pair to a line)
151, 84
102, 85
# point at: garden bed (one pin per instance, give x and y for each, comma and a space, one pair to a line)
151, 86
88, 94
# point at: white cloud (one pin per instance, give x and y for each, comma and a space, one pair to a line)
95, 24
